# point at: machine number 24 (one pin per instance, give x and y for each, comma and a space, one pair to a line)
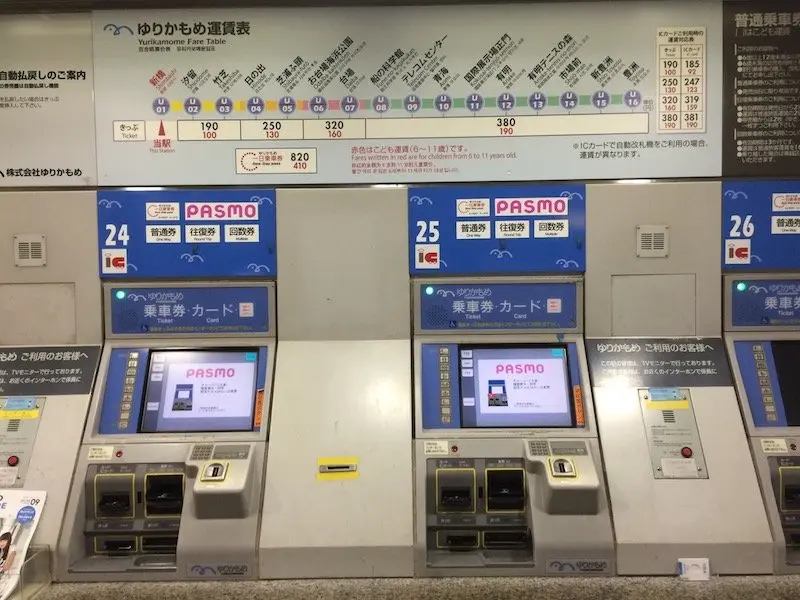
742, 226
427, 232
117, 234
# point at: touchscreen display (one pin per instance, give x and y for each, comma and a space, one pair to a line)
515, 386
200, 390
786, 355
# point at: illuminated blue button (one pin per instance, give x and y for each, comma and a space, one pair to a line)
429, 290
741, 286
120, 294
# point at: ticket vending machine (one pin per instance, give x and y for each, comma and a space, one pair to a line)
51, 331
680, 478
169, 479
762, 331
509, 478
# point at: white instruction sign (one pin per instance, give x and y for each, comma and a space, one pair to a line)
100, 453
436, 448
774, 446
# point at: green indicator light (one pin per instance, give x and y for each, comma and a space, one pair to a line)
741, 286
120, 295
429, 290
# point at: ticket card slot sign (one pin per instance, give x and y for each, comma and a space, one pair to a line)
503, 306
497, 230
146, 234
761, 225
765, 303
189, 311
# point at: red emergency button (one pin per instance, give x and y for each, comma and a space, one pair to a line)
686, 452
13, 461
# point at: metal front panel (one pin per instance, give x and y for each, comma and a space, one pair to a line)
658, 521
613, 212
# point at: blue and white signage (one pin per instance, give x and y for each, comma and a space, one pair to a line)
504, 306
497, 230
761, 225
765, 303
189, 310
186, 233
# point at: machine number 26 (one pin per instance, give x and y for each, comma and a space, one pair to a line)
742, 226
117, 234
427, 232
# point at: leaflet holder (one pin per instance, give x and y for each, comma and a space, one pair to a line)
174, 450
508, 479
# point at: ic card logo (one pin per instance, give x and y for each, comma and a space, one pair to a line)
114, 262
737, 252
426, 256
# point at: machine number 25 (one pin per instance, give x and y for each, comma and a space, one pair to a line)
117, 234
742, 226
427, 232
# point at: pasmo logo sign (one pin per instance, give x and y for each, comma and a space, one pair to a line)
737, 252
504, 207
221, 211
114, 261
427, 256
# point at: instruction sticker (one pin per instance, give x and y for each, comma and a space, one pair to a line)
8, 476
774, 446
437, 448
679, 468
100, 453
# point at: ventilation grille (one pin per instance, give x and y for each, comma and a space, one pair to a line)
13, 426
652, 241
29, 250
668, 415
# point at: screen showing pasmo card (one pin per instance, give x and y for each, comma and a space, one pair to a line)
515, 387
200, 391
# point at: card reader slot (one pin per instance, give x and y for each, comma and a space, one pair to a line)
160, 544
455, 498
457, 540
114, 505
163, 495
505, 540
791, 497
119, 545
505, 490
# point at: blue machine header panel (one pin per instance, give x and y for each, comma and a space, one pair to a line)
503, 306
497, 230
189, 310
186, 233
765, 303
761, 225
